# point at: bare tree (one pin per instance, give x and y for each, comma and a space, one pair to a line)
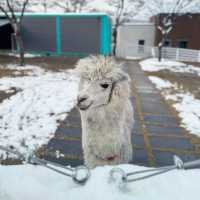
123, 11
9, 8
71, 5
165, 14
42, 5
45, 4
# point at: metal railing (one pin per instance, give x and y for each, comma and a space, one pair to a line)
81, 174
142, 51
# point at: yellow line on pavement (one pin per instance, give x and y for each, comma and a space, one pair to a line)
148, 147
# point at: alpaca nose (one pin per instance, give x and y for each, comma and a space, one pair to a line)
81, 99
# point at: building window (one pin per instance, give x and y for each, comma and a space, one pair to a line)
182, 44
141, 42
167, 43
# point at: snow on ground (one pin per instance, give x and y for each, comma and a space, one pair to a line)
189, 111
153, 65
160, 83
30, 70
35, 182
186, 104
30, 118
26, 55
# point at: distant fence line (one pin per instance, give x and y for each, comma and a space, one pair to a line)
141, 51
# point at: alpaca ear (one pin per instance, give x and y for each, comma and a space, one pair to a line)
116, 90
122, 76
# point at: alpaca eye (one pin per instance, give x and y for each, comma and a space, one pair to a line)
104, 85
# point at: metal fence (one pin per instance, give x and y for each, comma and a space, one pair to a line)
141, 51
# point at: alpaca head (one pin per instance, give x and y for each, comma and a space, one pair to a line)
102, 79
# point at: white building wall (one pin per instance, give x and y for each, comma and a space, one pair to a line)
129, 36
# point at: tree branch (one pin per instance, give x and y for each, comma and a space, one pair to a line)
59, 4
23, 10
10, 8
6, 14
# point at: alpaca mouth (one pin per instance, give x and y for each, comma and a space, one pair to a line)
108, 159
111, 158
84, 107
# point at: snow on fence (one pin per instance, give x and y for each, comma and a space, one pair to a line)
141, 51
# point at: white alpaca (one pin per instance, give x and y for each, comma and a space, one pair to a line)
106, 111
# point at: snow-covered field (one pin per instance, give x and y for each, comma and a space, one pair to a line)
185, 103
34, 182
30, 118
152, 65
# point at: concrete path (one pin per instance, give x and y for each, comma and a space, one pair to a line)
156, 137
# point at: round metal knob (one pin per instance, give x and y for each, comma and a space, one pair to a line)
117, 174
81, 174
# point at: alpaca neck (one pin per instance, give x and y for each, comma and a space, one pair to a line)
103, 119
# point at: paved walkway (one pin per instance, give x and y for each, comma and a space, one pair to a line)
156, 137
